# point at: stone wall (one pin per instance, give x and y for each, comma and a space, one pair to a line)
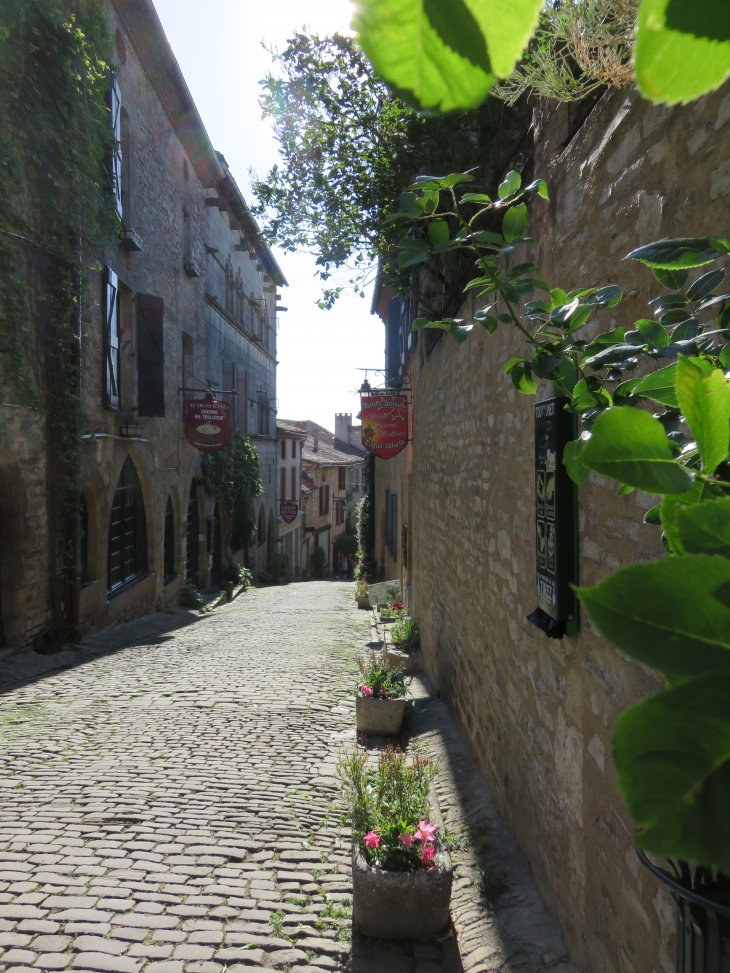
539, 713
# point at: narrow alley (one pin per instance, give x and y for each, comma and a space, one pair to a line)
169, 803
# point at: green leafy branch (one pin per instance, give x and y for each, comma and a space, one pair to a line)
446, 55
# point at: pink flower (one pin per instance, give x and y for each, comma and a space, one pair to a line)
372, 840
428, 854
407, 840
425, 832
366, 690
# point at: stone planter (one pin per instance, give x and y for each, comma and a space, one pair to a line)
411, 662
363, 602
401, 905
381, 716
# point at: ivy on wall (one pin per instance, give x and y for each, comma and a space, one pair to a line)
55, 211
233, 474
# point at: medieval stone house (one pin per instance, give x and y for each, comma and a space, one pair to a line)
333, 480
182, 303
460, 533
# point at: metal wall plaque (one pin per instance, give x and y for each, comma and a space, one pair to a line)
556, 566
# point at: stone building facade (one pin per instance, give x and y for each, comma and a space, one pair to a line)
289, 478
333, 480
161, 330
538, 713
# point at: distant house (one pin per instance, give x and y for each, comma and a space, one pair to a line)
333, 480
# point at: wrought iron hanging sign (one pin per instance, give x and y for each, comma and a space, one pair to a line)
288, 510
384, 424
208, 426
554, 519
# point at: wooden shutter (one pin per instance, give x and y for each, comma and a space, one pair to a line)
150, 355
342, 474
294, 485
115, 106
282, 485
242, 403
111, 339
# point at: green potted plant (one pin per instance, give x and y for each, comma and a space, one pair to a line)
401, 870
380, 702
405, 634
361, 594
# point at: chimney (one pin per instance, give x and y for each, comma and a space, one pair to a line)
316, 441
343, 421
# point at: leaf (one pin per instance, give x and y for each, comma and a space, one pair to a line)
512, 363
608, 296
652, 516
540, 187
674, 279
682, 49
679, 253
704, 528
610, 356
632, 447
578, 318
653, 332
577, 471
522, 379
725, 357
673, 615
672, 757
515, 222
659, 386
420, 323
475, 198
413, 252
444, 55
670, 507
510, 184
490, 323
705, 404
624, 490
438, 232
441, 182
705, 285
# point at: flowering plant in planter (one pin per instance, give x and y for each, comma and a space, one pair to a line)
361, 589
380, 681
393, 610
390, 810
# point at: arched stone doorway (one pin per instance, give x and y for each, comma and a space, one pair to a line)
127, 551
13, 624
192, 536
270, 543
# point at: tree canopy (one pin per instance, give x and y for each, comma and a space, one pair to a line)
349, 148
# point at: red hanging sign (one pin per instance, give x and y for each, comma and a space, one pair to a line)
288, 510
384, 424
208, 425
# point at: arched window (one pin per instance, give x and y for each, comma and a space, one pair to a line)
127, 558
261, 539
169, 567
83, 540
192, 532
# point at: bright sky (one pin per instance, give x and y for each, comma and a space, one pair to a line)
218, 46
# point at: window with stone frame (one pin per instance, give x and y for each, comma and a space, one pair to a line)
324, 500
342, 478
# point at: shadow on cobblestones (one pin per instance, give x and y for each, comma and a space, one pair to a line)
155, 629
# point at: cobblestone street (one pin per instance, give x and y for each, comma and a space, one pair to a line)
168, 800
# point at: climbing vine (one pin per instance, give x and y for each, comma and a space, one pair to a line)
233, 474
55, 211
